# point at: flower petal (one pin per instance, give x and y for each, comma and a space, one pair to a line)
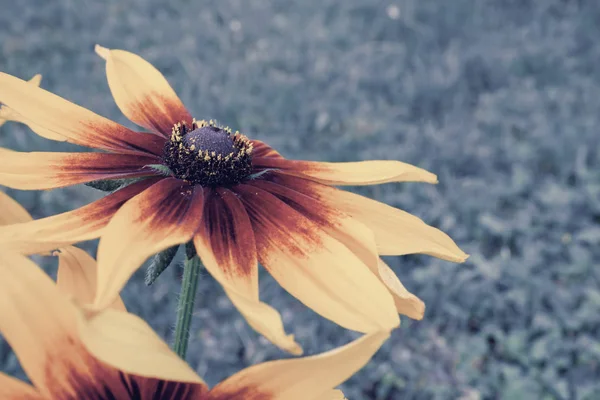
352, 233
261, 149
77, 276
50, 336
166, 214
14, 389
35, 322
226, 243
82, 224
8, 114
124, 341
335, 394
406, 303
12, 212
316, 268
142, 92
75, 124
265, 320
307, 378
349, 173
396, 232
40, 170
227, 248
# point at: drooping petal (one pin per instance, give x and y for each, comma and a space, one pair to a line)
406, 303
60, 230
14, 389
355, 235
265, 320
12, 212
227, 248
36, 323
126, 342
60, 119
226, 243
142, 92
396, 232
307, 378
77, 276
39, 170
166, 214
348, 173
316, 268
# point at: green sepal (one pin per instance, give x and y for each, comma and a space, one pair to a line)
109, 185
161, 169
159, 263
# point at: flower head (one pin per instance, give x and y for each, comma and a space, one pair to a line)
236, 198
70, 352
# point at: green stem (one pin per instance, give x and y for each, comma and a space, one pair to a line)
185, 308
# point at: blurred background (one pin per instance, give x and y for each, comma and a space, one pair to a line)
500, 98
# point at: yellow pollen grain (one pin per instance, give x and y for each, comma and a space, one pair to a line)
192, 147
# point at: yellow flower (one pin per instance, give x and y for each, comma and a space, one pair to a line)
237, 199
70, 352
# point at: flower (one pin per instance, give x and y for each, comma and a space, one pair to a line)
237, 199
70, 352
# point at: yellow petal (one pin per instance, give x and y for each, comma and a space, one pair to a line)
77, 276
335, 394
59, 345
406, 303
36, 322
12, 212
226, 243
8, 114
14, 389
308, 378
396, 232
314, 267
266, 321
142, 92
85, 223
41, 170
126, 342
166, 214
228, 251
56, 118
371, 172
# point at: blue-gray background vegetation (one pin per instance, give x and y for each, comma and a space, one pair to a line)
500, 98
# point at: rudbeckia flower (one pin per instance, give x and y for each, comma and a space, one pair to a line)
237, 199
70, 352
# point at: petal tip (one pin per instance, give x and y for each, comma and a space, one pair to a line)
36, 79
102, 51
419, 309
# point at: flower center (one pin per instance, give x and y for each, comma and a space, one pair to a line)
208, 154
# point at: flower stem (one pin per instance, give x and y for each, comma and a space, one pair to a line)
185, 308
